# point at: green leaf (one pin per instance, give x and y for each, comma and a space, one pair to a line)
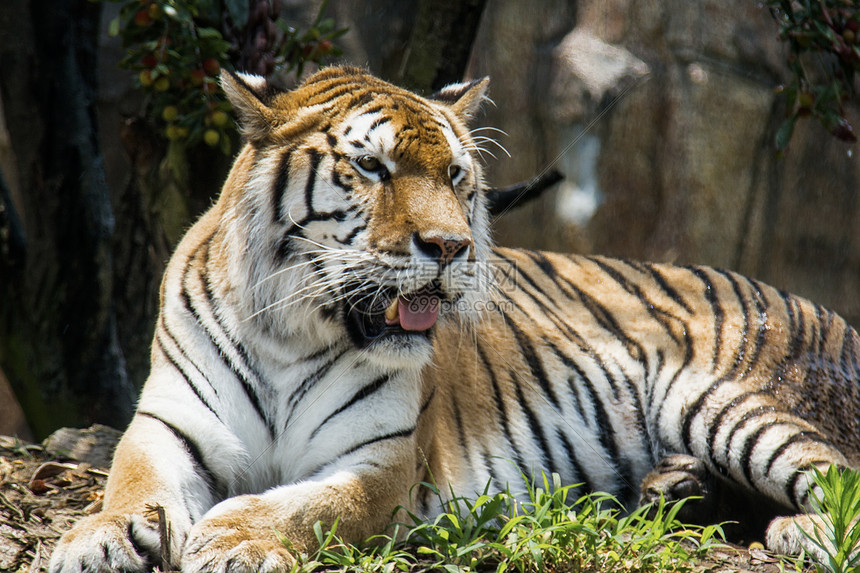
113, 28
208, 33
783, 135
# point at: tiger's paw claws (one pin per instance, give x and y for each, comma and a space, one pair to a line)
215, 548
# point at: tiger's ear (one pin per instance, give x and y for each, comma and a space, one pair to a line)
464, 99
249, 94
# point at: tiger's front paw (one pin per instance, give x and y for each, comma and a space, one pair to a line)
784, 536
677, 477
236, 538
111, 542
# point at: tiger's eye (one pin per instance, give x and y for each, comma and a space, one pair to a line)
369, 163
454, 172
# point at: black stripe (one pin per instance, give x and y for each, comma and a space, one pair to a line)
248, 389
213, 302
185, 376
315, 158
393, 435
280, 186
740, 353
284, 248
762, 307
363, 393
428, 401
571, 365
308, 383
351, 236
633, 348
798, 326
732, 375
572, 335
337, 179
570, 453
214, 485
802, 436
333, 91
607, 321
376, 123
547, 461
742, 421
662, 316
748, 446
791, 484
250, 392
461, 433
490, 466
135, 544
667, 289
716, 309
534, 364
500, 406
390, 436
717, 424
374, 109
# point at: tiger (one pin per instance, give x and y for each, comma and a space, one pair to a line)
339, 341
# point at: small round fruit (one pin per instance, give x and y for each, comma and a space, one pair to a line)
211, 66
197, 77
805, 100
325, 48
162, 84
145, 78
155, 12
142, 18
211, 137
170, 113
219, 118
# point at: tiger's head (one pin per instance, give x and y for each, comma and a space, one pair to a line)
362, 210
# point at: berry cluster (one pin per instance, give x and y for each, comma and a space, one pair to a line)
824, 39
177, 48
177, 57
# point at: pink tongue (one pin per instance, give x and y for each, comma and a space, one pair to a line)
418, 313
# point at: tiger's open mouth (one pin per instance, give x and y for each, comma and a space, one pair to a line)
372, 314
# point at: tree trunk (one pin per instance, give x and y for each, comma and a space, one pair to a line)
58, 339
441, 43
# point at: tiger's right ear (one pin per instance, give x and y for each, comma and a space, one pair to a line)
249, 94
465, 98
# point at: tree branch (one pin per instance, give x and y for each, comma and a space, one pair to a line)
506, 198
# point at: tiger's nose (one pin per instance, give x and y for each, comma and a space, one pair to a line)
441, 249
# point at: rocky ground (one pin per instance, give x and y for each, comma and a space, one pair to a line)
45, 488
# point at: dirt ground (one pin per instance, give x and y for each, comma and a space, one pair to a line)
45, 488
41, 495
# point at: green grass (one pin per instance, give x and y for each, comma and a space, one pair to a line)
839, 508
554, 530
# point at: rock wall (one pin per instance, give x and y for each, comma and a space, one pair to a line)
662, 114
